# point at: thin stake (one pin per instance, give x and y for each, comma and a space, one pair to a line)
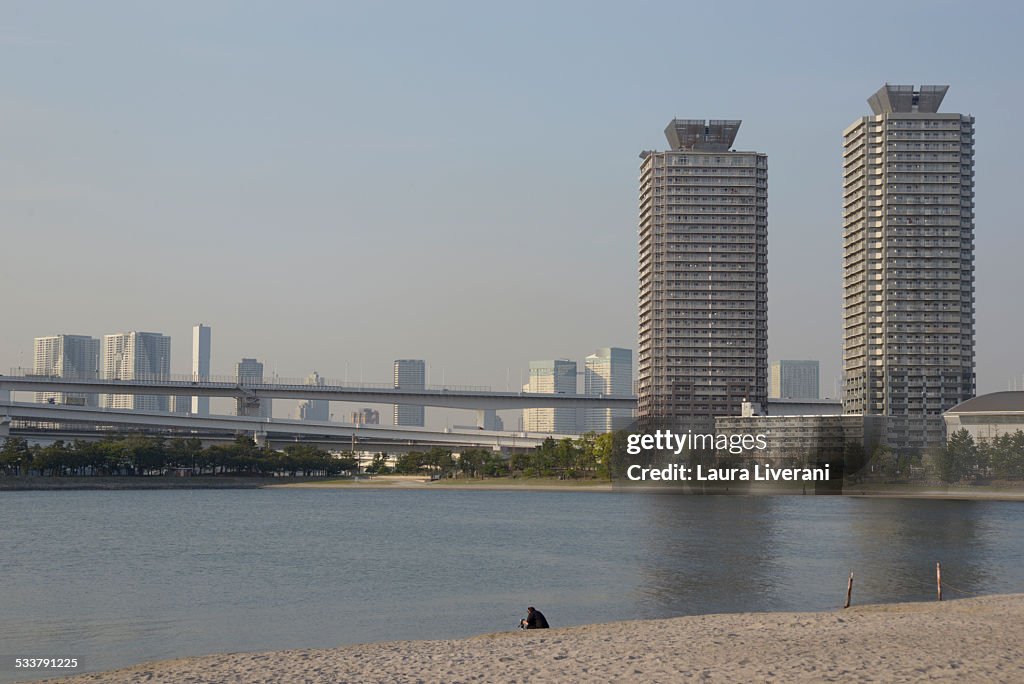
938, 578
849, 590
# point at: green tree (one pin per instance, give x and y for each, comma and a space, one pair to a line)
854, 461
603, 450
183, 453
586, 454
616, 457
566, 456
50, 459
439, 460
409, 463
543, 459
81, 457
884, 463
1014, 458
520, 462
313, 461
957, 459
15, 456
111, 458
494, 465
471, 462
142, 454
379, 466
965, 453
1006, 455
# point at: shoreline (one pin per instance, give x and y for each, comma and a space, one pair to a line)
967, 639
127, 483
417, 482
421, 483
554, 485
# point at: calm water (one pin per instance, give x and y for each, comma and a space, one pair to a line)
116, 578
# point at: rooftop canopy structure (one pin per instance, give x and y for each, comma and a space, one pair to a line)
698, 134
904, 99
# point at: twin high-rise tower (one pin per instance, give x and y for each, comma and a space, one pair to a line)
703, 344
908, 263
908, 268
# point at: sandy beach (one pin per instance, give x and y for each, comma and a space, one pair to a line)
977, 639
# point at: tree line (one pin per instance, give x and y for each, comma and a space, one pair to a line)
142, 455
963, 459
588, 457
960, 459
591, 456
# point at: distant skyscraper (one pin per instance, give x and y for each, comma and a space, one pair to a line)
703, 344
136, 356
179, 404
488, 419
410, 374
908, 263
67, 356
609, 370
201, 365
366, 416
794, 380
551, 377
250, 372
315, 409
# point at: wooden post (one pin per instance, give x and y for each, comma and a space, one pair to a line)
938, 578
849, 590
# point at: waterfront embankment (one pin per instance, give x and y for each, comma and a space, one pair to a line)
998, 492
977, 639
103, 483
419, 482
1002, 492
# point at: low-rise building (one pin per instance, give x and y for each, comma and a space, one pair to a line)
802, 438
804, 407
987, 416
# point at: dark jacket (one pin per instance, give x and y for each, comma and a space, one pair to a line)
536, 620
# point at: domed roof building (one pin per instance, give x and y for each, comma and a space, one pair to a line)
987, 416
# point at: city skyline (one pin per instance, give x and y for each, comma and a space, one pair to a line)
613, 365
469, 276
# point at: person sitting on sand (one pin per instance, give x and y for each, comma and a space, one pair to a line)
534, 620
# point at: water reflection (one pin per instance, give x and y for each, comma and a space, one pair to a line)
728, 554
708, 554
904, 540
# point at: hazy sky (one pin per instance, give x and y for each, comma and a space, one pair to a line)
332, 183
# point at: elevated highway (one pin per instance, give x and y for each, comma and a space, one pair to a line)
57, 421
469, 398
